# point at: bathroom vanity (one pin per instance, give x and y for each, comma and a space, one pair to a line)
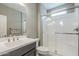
28, 50
23, 47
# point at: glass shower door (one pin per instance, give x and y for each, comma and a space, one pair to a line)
63, 39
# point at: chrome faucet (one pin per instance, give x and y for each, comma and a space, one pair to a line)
17, 38
9, 40
13, 39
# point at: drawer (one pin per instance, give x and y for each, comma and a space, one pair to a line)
21, 50
31, 53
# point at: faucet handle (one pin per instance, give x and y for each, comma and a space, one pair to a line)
8, 39
13, 38
55, 51
17, 38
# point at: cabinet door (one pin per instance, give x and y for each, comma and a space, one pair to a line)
21, 51
31, 52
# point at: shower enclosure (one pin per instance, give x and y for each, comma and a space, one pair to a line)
61, 30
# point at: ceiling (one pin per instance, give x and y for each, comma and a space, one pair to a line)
16, 6
51, 5
22, 8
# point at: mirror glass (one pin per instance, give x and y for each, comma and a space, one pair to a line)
12, 20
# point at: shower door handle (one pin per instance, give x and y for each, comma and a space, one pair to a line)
68, 33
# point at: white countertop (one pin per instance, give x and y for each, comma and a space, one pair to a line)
6, 46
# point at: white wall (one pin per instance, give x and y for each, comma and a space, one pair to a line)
43, 10
31, 21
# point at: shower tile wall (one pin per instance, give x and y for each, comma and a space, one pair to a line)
67, 44
64, 44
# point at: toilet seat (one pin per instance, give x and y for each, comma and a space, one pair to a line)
47, 52
43, 50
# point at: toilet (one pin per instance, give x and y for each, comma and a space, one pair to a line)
44, 51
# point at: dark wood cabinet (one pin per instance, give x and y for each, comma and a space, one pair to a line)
28, 50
